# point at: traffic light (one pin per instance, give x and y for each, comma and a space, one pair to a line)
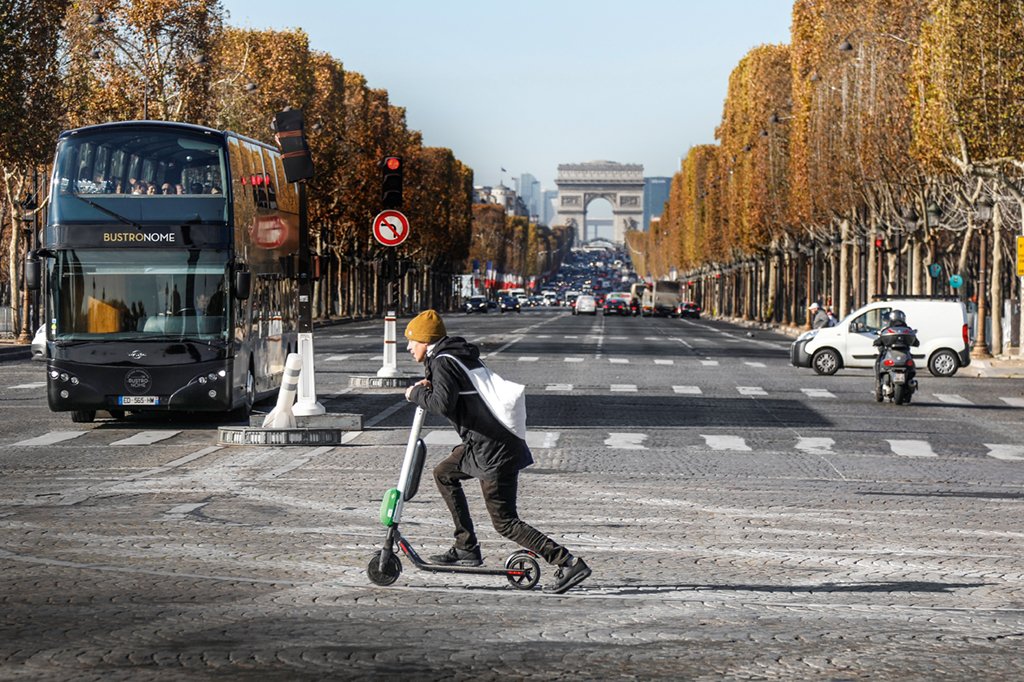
391, 182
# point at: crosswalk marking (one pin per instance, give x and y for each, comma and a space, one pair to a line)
570, 337
543, 336
337, 358
751, 390
709, 363
754, 364
575, 359
375, 358
664, 362
34, 384
652, 338
1005, 452
1013, 402
146, 438
558, 387
818, 393
535, 439
528, 358
52, 437
623, 388
952, 399
737, 443
911, 448
815, 444
619, 361
687, 390
626, 441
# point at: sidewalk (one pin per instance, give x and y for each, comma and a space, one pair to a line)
11, 350
1006, 366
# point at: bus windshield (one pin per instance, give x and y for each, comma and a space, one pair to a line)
154, 294
139, 175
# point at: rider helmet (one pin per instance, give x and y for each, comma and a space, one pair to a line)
897, 318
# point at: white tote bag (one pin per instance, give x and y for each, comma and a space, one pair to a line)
505, 399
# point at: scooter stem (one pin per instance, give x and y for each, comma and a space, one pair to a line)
410, 453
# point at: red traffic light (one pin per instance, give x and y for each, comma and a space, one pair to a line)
878, 243
392, 163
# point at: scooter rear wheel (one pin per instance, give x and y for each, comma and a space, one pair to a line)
529, 576
901, 394
392, 569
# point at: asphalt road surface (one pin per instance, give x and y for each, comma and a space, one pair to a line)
743, 519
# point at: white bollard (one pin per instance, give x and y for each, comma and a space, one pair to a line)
390, 367
281, 417
306, 405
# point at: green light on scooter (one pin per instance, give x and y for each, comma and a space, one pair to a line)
387, 507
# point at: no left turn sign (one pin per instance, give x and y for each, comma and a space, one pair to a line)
390, 228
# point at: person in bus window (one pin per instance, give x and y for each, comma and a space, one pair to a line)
152, 189
179, 188
195, 188
166, 188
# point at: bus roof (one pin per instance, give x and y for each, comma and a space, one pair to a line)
149, 123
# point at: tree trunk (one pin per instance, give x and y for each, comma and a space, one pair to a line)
841, 306
996, 282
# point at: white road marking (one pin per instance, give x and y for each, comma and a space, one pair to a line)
535, 439
52, 437
146, 438
558, 387
726, 443
575, 359
34, 384
1013, 453
911, 448
755, 364
626, 441
687, 390
182, 510
375, 358
751, 390
1013, 402
337, 358
570, 337
623, 388
528, 358
952, 399
652, 338
818, 393
619, 361
816, 445
664, 362
709, 363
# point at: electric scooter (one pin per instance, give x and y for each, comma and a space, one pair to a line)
521, 567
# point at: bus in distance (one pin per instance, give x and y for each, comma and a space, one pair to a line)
164, 270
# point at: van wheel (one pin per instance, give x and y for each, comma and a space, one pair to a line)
943, 363
83, 416
826, 362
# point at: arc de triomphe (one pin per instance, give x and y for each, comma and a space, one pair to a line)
622, 184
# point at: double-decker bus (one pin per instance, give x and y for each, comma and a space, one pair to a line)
165, 270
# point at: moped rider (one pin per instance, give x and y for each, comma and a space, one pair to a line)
896, 335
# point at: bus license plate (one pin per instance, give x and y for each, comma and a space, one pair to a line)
138, 400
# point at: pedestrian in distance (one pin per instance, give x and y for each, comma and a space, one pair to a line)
819, 318
489, 452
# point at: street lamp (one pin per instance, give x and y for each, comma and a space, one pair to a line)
982, 214
910, 219
30, 300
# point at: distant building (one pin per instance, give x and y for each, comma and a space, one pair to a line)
656, 190
529, 192
501, 195
548, 206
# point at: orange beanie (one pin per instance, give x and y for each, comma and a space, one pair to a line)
427, 327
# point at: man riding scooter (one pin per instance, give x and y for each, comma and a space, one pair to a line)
894, 367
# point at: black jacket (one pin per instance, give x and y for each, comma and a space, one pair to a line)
490, 447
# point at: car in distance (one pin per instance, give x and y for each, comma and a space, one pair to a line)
509, 304
475, 304
616, 306
585, 305
39, 350
689, 309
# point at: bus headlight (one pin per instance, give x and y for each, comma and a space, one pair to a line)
64, 393
212, 394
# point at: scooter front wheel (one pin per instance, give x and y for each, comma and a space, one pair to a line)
527, 571
386, 576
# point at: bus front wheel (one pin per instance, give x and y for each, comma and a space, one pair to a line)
83, 416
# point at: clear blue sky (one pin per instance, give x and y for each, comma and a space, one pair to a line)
527, 84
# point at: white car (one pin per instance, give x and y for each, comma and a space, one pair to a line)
941, 326
585, 304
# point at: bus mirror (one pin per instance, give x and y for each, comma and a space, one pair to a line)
33, 272
243, 284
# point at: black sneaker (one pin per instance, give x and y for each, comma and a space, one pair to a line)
458, 557
569, 576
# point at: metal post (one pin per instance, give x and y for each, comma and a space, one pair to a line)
306, 404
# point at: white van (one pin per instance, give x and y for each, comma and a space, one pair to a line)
941, 325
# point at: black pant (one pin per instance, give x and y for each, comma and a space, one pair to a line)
500, 498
